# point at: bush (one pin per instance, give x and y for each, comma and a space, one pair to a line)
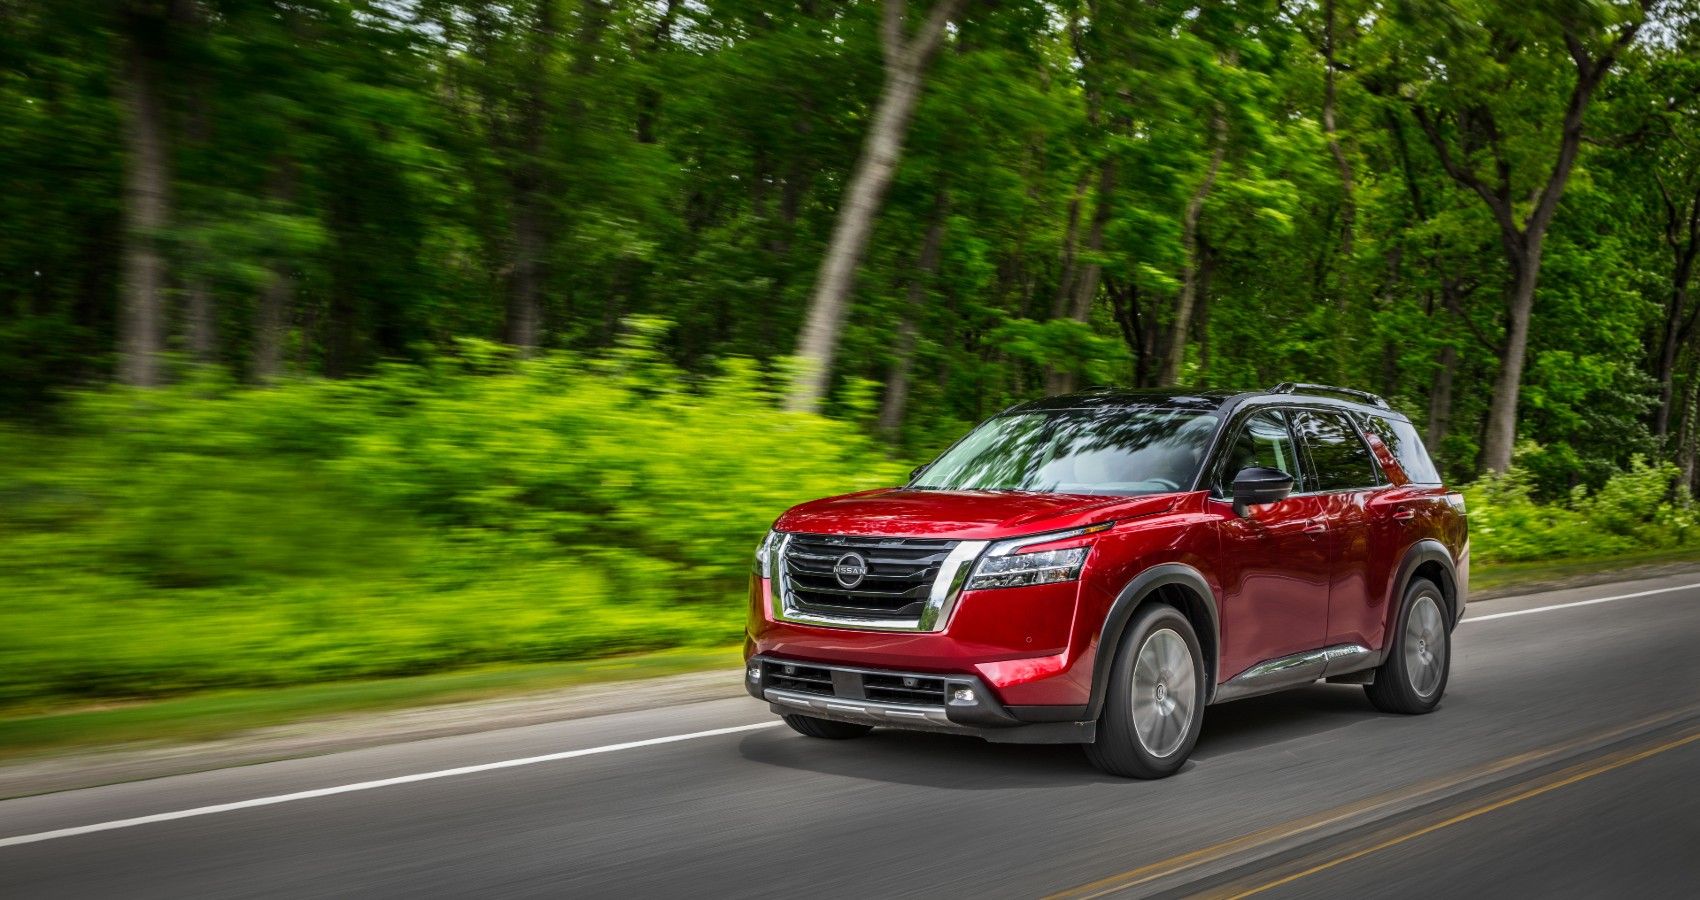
1635, 510
474, 510
477, 510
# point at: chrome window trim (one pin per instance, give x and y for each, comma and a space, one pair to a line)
941, 599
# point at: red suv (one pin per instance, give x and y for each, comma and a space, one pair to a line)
1099, 567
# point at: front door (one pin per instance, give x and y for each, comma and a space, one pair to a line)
1274, 561
1346, 481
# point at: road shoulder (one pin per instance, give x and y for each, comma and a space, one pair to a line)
84, 768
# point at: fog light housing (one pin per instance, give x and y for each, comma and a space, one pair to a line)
755, 673
963, 696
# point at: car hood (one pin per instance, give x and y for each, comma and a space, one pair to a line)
963, 515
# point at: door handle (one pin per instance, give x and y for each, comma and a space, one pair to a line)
1315, 526
1404, 515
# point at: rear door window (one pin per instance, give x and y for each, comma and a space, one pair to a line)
1402, 440
1339, 458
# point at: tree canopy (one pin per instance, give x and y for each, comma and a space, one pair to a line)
1487, 211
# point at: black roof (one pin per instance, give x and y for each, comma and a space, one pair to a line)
1208, 400
1119, 398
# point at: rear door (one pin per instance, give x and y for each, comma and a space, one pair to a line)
1345, 481
1416, 505
1272, 565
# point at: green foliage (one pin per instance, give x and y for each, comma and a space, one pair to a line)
476, 510
1634, 511
369, 187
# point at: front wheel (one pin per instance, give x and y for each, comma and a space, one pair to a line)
1419, 661
1155, 703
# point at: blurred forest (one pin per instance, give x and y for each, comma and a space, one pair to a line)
347, 331
1487, 211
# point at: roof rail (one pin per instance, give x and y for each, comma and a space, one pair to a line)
1299, 387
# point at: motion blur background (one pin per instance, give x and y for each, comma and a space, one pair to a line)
354, 338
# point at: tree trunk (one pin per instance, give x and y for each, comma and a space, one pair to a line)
1501, 437
1082, 286
272, 324
272, 321
1522, 242
1189, 277
202, 322
1690, 438
526, 288
1665, 362
1071, 243
1348, 198
649, 97
926, 266
1440, 397
146, 204
1683, 239
906, 62
521, 322
1201, 315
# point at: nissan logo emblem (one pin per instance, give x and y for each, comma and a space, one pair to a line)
850, 569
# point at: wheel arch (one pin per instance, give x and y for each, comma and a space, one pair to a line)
1178, 585
1427, 558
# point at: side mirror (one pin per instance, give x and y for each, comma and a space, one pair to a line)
1256, 485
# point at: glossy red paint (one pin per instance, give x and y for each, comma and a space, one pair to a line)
962, 515
1313, 570
1018, 634
1034, 645
1274, 570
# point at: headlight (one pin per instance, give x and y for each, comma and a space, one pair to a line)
1023, 569
1004, 565
764, 555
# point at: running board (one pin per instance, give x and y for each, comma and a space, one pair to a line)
1296, 670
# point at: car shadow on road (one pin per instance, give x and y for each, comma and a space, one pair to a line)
951, 762
954, 762
1263, 721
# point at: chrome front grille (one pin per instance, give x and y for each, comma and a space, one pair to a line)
896, 581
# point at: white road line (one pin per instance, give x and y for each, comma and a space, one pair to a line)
570, 754
1525, 612
369, 785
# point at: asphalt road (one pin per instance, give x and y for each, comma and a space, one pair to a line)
1565, 761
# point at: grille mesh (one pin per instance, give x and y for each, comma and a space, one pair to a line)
899, 578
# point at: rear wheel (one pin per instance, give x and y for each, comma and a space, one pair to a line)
1419, 660
826, 728
1155, 702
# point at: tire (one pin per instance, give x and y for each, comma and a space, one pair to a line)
1159, 665
826, 729
1413, 678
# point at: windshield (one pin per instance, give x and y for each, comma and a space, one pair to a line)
1121, 451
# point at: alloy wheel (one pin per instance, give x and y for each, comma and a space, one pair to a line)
1165, 690
1425, 646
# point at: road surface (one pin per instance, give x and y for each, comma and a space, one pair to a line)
1565, 761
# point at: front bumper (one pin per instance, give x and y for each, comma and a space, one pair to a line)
954, 704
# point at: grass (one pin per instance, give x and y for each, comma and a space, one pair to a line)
1533, 575
215, 714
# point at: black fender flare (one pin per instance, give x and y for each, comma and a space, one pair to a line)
1121, 613
1426, 550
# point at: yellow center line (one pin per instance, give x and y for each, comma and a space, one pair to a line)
1599, 769
1163, 868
